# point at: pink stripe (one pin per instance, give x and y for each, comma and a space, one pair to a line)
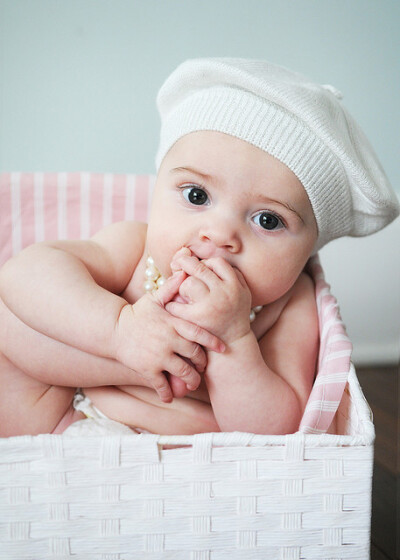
119, 196
318, 418
5, 217
73, 205
96, 202
142, 197
329, 313
27, 213
50, 205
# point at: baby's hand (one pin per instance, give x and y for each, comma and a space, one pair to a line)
191, 290
151, 341
216, 295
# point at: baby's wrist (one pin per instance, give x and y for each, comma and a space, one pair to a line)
236, 343
242, 359
119, 331
241, 340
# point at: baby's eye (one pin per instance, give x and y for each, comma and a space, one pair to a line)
195, 195
268, 221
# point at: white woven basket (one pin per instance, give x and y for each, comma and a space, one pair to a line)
216, 496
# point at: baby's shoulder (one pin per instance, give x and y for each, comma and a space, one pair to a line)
122, 246
122, 239
290, 347
122, 231
299, 301
301, 305
303, 289
297, 324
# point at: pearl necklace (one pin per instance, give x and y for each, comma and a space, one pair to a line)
154, 279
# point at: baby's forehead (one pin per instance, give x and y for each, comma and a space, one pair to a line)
216, 154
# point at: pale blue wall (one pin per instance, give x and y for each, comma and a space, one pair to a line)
78, 78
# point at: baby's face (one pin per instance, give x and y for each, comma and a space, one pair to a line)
221, 196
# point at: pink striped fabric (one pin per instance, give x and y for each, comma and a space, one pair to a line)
333, 360
40, 206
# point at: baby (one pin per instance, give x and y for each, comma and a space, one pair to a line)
204, 320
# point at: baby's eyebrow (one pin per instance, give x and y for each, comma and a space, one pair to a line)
282, 203
189, 169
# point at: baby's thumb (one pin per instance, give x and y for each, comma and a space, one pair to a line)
167, 291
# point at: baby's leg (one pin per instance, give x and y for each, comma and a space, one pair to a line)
29, 406
140, 407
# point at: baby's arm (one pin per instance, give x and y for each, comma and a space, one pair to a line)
255, 386
46, 359
269, 380
68, 291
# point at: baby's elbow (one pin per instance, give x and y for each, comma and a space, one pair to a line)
288, 418
295, 414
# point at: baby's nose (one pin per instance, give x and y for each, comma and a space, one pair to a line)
221, 236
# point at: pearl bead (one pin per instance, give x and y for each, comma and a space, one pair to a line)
152, 274
150, 285
252, 315
153, 278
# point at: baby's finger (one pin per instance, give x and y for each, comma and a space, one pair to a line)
162, 387
240, 277
194, 267
183, 251
192, 289
178, 386
181, 368
192, 352
170, 288
194, 333
221, 267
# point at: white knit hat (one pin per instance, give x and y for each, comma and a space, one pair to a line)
302, 124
